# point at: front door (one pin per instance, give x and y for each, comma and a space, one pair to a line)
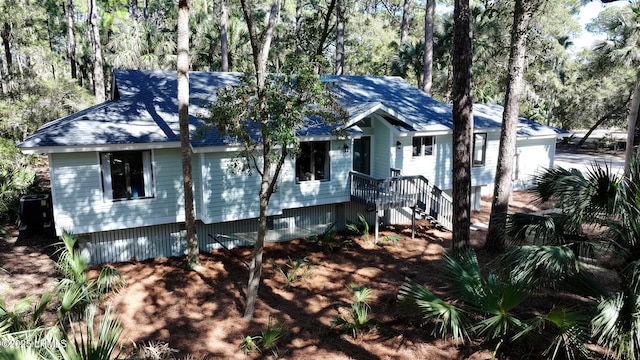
362, 155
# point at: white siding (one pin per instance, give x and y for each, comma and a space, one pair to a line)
533, 155
436, 168
380, 149
79, 204
312, 193
229, 195
484, 175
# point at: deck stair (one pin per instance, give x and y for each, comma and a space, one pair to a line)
397, 191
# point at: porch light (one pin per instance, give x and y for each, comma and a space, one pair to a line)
345, 147
398, 145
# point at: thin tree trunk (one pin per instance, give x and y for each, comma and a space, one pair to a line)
503, 184
260, 47
224, 37
339, 38
299, 27
3, 83
602, 119
135, 9
462, 124
193, 250
326, 27
71, 35
404, 25
632, 123
6, 42
98, 71
427, 72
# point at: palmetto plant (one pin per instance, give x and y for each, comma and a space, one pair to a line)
356, 317
480, 306
77, 335
75, 290
601, 200
361, 227
267, 340
293, 271
90, 340
23, 317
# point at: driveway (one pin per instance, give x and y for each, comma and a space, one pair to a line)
584, 162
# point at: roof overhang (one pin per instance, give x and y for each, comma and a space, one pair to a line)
98, 148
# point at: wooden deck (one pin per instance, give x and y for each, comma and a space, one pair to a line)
403, 191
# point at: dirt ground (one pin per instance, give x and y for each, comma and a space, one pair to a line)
200, 313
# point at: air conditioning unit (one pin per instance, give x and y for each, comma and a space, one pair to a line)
35, 213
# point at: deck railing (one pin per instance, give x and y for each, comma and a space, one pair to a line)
403, 191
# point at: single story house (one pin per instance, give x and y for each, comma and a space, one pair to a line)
116, 178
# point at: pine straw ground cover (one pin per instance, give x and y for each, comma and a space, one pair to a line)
199, 314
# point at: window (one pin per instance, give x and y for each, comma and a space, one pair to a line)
479, 149
126, 175
313, 161
423, 145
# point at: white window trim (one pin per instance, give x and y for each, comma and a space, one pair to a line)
107, 186
423, 147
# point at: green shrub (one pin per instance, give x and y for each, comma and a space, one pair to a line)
16, 178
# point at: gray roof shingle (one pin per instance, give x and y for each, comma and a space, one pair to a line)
144, 110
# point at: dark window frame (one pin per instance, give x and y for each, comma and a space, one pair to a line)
313, 163
478, 162
425, 147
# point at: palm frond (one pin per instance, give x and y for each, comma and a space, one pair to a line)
453, 322
110, 279
530, 265
86, 343
616, 324
585, 284
463, 275
631, 275
499, 299
525, 228
497, 327
566, 331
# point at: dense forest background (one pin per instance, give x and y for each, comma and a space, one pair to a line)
57, 55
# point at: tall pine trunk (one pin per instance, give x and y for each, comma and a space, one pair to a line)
6, 43
632, 124
193, 251
462, 124
503, 185
298, 31
404, 25
98, 66
427, 71
224, 37
71, 38
339, 38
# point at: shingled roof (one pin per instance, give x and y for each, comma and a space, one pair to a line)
144, 111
